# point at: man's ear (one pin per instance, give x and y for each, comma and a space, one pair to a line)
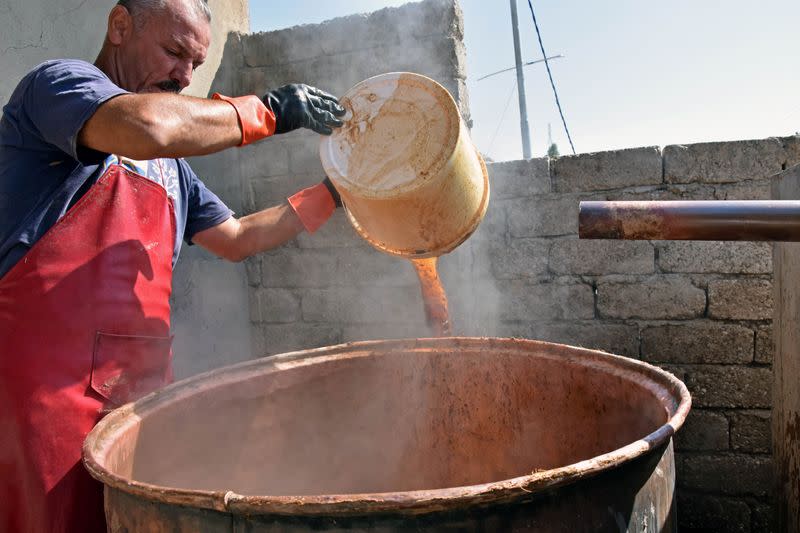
120, 25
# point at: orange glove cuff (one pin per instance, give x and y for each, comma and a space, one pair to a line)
256, 120
314, 206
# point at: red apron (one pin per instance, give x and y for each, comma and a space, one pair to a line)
84, 328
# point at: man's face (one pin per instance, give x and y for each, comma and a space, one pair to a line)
161, 54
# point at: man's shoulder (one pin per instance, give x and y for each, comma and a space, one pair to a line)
58, 68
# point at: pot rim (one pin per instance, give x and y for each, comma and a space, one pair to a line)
670, 391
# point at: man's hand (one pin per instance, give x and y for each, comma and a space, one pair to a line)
302, 106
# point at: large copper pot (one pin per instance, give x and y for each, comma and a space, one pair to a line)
463, 434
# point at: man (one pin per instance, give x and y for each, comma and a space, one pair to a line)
94, 202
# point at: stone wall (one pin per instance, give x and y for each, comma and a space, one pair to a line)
702, 310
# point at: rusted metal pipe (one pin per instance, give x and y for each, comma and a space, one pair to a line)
747, 220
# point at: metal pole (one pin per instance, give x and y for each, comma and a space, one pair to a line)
745, 220
523, 108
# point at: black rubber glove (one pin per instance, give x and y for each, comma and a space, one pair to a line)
301, 106
332, 189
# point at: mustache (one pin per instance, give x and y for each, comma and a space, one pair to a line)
169, 85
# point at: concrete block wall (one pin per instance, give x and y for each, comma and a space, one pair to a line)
702, 310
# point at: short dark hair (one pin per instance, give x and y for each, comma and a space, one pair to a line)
139, 8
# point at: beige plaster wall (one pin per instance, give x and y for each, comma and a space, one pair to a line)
32, 31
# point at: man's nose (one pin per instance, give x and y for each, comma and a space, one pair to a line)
182, 73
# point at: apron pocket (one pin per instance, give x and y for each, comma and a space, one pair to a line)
126, 367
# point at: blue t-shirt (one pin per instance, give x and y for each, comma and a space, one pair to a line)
43, 170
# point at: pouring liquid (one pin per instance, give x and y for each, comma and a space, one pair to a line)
433, 296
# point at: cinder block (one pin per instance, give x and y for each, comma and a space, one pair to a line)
439, 58
494, 225
748, 190
279, 306
700, 342
677, 371
304, 154
220, 173
764, 517
293, 267
612, 338
367, 266
519, 179
388, 330
729, 386
716, 257
474, 302
751, 431
723, 162
336, 233
366, 305
607, 170
663, 192
234, 57
654, 298
521, 258
391, 25
467, 264
264, 159
253, 270
542, 217
791, 147
254, 81
436, 57
283, 46
703, 512
311, 71
271, 339
597, 257
703, 431
737, 299
457, 87
550, 301
269, 192
734, 474
765, 345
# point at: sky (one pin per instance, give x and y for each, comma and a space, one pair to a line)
634, 72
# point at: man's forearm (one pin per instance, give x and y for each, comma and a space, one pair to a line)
149, 126
238, 239
269, 229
